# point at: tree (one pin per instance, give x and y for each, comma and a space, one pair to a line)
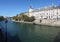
32, 18
15, 18
1, 18
24, 17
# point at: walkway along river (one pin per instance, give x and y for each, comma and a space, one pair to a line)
22, 32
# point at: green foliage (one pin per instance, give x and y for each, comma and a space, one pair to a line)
23, 17
1, 18
26, 18
32, 18
15, 18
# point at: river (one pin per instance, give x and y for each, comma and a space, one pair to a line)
22, 32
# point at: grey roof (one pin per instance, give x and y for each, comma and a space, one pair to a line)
47, 8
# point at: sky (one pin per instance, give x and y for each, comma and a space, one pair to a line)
14, 7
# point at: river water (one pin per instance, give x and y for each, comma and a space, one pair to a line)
20, 32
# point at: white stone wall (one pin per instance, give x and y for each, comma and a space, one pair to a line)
50, 14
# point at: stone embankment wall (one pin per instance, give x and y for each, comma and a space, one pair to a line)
55, 22
48, 22
43, 22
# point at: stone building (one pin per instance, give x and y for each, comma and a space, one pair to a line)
48, 12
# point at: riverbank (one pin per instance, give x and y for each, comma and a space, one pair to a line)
44, 22
23, 22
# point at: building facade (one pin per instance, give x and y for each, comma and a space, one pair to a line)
49, 12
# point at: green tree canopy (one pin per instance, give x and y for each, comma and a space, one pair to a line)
26, 18
23, 17
1, 18
32, 18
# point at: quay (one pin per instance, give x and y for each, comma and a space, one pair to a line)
44, 22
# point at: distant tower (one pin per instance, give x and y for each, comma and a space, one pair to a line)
30, 9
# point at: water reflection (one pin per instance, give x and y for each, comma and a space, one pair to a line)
12, 38
19, 32
1, 36
57, 38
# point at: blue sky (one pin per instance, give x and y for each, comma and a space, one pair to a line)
13, 7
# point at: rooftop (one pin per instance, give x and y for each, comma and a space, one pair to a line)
46, 8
